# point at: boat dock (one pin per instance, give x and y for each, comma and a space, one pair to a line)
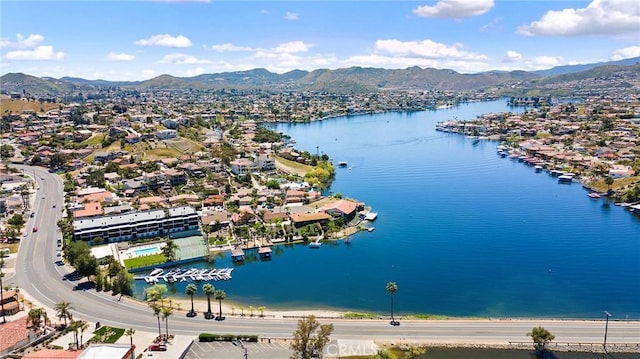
183, 275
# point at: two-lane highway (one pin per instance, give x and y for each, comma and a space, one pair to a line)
39, 276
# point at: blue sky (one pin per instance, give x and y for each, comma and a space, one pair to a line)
138, 40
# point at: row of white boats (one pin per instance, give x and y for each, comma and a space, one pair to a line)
183, 275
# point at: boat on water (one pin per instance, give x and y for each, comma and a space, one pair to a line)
594, 195
371, 229
566, 178
538, 168
371, 216
156, 272
342, 163
315, 244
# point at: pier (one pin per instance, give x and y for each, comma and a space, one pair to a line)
184, 275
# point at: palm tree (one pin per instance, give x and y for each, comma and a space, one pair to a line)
169, 250
130, 332
63, 311
208, 290
82, 326
392, 287
262, 309
35, 317
219, 296
156, 311
191, 290
74, 326
166, 313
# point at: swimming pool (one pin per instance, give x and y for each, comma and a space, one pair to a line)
146, 251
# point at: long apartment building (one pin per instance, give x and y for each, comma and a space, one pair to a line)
136, 225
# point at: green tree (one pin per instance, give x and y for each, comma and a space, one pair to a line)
155, 293
16, 220
82, 327
63, 310
130, 332
384, 354
191, 290
86, 265
392, 288
166, 313
74, 326
414, 352
208, 290
541, 337
219, 295
608, 181
156, 311
123, 282
169, 250
36, 316
310, 338
73, 250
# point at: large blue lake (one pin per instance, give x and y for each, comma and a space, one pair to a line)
462, 231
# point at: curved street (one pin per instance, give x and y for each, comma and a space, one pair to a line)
41, 279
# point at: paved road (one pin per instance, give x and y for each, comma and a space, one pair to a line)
38, 275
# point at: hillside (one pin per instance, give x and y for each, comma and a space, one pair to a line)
568, 69
346, 80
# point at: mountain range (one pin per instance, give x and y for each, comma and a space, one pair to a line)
346, 80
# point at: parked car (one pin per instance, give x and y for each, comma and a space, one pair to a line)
157, 347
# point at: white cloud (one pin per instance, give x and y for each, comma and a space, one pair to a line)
455, 9
28, 42
29, 48
43, 52
544, 62
291, 16
264, 12
292, 47
182, 59
626, 53
493, 25
148, 73
112, 56
512, 56
165, 40
426, 49
229, 47
600, 17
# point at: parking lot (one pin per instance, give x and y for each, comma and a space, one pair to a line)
263, 350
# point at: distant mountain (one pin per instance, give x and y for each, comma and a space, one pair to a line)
601, 72
97, 83
22, 83
567, 69
346, 80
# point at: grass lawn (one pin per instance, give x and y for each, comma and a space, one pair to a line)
354, 315
619, 184
17, 106
298, 168
94, 140
159, 153
107, 334
144, 261
12, 247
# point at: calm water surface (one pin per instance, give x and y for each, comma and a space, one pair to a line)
461, 230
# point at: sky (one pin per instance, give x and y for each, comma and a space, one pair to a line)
138, 40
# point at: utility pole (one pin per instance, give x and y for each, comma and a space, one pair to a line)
606, 327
